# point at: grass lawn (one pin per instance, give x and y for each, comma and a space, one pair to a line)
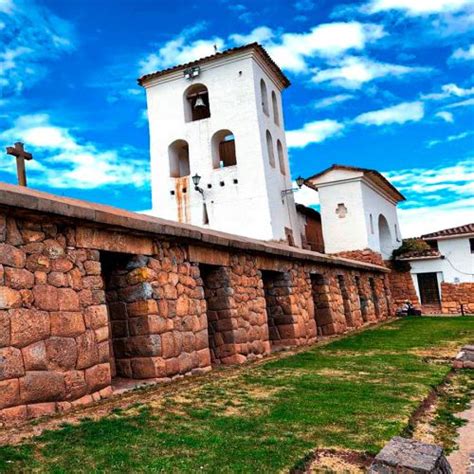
354, 393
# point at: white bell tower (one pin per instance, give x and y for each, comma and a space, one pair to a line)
220, 118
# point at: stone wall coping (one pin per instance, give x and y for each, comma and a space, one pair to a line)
18, 197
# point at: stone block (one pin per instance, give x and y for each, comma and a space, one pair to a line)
11, 363
13, 415
142, 308
67, 324
28, 325
87, 350
9, 393
44, 386
61, 353
141, 291
98, 377
68, 299
102, 334
118, 311
58, 279
34, 356
407, 455
144, 345
104, 352
4, 329
37, 262
41, 409
92, 267
19, 278
96, 316
148, 367
75, 384
12, 256
46, 297
9, 298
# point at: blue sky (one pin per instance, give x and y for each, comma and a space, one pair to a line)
385, 84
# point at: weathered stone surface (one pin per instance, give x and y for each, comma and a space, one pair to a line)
75, 384
96, 316
67, 323
41, 409
11, 363
4, 329
9, 393
44, 386
46, 297
98, 377
12, 256
88, 353
15, 414
68, 299
28, 325
406, 455
35, 357
9, 298
61, 353
19, 278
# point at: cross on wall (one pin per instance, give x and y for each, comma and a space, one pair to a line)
18, 151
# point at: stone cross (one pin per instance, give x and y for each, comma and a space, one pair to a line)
21, 155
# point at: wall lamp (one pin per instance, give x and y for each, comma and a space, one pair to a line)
196, 180
299, 182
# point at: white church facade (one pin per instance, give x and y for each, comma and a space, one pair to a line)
219, 159
217, 144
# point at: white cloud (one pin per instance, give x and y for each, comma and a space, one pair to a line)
63, 161
332, 100
306, 196
449, 90
446, 116
463, 54
399, 114
441, 216
24, 56
451, 138
450, 186
463, 103
352, 72
417, 7
262, 34
313, 132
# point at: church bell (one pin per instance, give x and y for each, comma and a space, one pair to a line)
199, 103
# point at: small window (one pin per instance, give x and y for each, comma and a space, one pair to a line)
471, 243
281, 157
434, 244
371, 219
223, 149
196, 103
276, 113
264, 96
271, 154
178, 153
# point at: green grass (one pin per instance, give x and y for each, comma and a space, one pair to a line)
354, 393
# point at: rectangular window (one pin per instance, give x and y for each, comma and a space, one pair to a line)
471, 243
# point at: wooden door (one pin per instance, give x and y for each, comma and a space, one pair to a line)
428, 286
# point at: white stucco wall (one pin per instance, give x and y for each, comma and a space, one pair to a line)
251, 207
362, 200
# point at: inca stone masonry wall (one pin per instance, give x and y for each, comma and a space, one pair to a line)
453, 295
86, 298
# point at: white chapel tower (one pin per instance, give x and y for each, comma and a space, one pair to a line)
220, 118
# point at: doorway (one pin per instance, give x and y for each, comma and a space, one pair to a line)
428, 287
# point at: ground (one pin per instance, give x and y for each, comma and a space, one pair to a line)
350, 395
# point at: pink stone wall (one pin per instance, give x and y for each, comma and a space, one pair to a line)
78, 310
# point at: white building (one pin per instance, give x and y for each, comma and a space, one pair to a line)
450, 260
358, 210
221, 118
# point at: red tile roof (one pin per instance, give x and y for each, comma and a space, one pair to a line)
374, 174
273, 66
453, 231
415, 254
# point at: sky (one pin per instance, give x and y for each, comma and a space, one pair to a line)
382, 84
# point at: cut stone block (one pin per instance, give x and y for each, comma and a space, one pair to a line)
406, 455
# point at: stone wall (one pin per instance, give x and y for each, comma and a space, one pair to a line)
402, 287
455, 294
84, 302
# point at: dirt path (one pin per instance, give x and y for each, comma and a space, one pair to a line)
462, 460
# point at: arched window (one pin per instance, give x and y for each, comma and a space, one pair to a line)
178, 153
271, 154
276, 113
264, 96
281, 157
196, 103
223, 149
385, 237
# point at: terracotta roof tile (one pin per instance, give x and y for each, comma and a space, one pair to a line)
460, 230
286, 82
414, 254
